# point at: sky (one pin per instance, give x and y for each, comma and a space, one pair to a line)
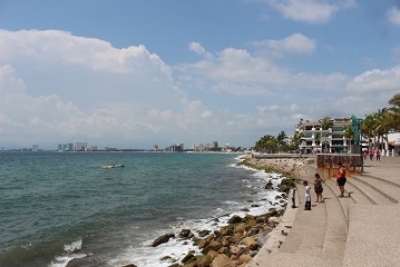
134, 74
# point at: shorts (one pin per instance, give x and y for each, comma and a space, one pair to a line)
341, 181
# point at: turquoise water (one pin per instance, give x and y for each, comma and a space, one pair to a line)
55, 207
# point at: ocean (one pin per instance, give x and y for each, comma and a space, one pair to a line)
59, 206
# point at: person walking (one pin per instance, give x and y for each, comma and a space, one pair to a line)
378, 155
371, 154
341, 179
318, 187
292, 195
307, 196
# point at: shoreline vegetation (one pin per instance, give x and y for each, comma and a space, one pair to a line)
241, 239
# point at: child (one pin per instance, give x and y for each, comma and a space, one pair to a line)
292, 194
307, 196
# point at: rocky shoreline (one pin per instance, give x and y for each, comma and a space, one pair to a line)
235, 244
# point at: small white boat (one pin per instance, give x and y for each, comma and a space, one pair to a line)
113, 166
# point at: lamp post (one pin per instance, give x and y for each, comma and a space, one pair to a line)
361, 151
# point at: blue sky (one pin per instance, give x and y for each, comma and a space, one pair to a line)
132, 74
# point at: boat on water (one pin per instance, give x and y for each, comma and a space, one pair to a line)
113, 166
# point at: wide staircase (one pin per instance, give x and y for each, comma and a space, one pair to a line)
361, 229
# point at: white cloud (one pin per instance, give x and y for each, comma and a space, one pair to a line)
393, 16
377, 81
56, 87
196, 47
312, 11
295, 43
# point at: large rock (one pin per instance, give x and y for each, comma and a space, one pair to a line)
162, 239
274, 220
250, 243
204, 233
186, 233
222, 261
235, 219
269, 184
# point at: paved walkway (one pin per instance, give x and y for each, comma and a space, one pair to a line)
362, 229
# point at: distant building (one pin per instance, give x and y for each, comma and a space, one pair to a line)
176, 147
316, 139
80, 146
35, 148
65, 147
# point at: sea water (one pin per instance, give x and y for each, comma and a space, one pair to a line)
55, 207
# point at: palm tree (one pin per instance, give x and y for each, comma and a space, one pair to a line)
267, 143
368, 127
348, 134
395, 100
383, 121
281, 139
296, 139
326, 123
394, 112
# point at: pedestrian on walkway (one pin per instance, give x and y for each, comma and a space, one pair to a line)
292, 194
318, 187
378, 155
341, 179
307, 196
371, 154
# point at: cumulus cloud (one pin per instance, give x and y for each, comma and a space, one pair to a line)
376, 80
53, 47
311, 11
295, 43
57, 87
393, 16
197, 48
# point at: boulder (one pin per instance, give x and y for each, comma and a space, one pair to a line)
204, 233
188, 258
274, 220
162, 239
245, 258
211, 255
250, 243
235, 219
186, 233
222, 261
269, 184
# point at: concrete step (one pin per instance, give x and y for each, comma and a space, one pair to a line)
336, 225
352, 194
387, 189
285, 259
320, 232
370, 191
373, 238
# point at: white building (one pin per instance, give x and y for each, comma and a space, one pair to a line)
315, 139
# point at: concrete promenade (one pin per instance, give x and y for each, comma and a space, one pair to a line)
362, 229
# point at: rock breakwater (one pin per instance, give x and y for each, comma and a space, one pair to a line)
292, 167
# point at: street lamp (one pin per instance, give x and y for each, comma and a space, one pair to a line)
361, 151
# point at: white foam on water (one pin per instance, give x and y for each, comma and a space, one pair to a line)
72, 252
176, 249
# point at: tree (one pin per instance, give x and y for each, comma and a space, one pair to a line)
326, 123
281, 137
383, 121
367, 128
348, 134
